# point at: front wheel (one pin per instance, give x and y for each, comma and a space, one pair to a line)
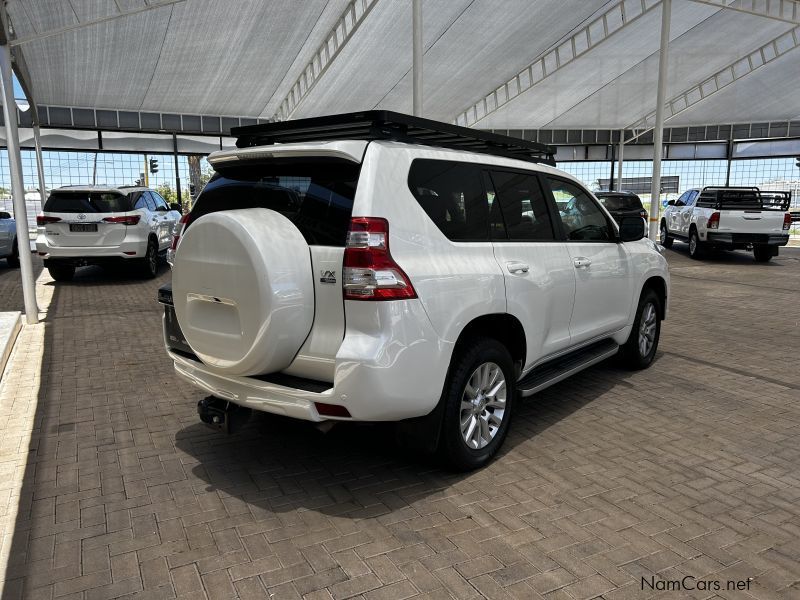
479, 399
762, 253
697, 248
665, 239
640, 349
61, 272
13, 258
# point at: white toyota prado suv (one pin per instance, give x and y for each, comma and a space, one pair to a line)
380, 267
97, 225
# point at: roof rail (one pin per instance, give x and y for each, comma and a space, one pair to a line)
388, 125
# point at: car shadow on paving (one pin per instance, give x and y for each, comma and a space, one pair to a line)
280, 464
11, 285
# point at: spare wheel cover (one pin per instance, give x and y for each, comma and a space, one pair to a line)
243, 290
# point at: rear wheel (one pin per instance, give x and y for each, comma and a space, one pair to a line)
13, 258
697, 249
479, 399
149, 264
664, 237
61, 272
640, 349
762, 253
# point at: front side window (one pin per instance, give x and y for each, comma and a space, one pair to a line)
683, 199
581, 217
161, 204
453, 196
523, 206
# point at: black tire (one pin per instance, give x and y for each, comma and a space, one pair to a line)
61, 272
477, 354
664, 237
632, 354
13, 258
697, 249
148, 267
762, 253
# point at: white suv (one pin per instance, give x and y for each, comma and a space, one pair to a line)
431, 281
89, 225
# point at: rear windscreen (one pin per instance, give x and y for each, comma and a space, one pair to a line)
316, 195
621, 202
87, 202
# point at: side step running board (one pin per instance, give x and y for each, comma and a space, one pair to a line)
562, 367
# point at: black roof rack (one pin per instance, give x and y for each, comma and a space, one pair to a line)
388, 125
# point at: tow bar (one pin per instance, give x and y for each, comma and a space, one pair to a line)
222, 415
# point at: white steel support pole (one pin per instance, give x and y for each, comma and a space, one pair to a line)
40, 163
416, 26
37, 142
658, 131
17, 187
619, 159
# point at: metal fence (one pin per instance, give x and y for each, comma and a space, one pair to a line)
106, 168
765, 173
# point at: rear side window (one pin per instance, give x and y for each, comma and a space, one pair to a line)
317, 196
453, 196
87, 202
523, 206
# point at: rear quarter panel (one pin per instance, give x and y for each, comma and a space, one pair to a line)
455, 281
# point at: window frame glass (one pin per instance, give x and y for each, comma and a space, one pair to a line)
549, 205
610, 223
159, 200
479, 168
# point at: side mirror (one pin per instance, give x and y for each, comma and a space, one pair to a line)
671, 203
175, 206
631, 229
5, 215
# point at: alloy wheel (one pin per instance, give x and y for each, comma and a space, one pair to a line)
483, 405
647, 329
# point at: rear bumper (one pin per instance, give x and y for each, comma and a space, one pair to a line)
745, 239
85, 255
388, 374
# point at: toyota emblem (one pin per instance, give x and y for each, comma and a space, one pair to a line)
81, 216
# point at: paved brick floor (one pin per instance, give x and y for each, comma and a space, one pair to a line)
689, 468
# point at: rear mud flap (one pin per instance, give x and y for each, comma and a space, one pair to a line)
223, 415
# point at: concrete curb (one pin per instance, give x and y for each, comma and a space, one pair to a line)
10, 325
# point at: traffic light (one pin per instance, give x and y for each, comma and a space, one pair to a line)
153, 166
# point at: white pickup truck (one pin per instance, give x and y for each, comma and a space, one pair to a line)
728, 218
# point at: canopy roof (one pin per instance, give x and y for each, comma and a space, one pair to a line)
487, 63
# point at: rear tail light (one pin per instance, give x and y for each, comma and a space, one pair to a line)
370, 272
787, 221
713, 221
643, 214
129, 220
177, 231
41, 220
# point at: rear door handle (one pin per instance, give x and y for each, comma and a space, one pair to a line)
517, 267
581, 262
